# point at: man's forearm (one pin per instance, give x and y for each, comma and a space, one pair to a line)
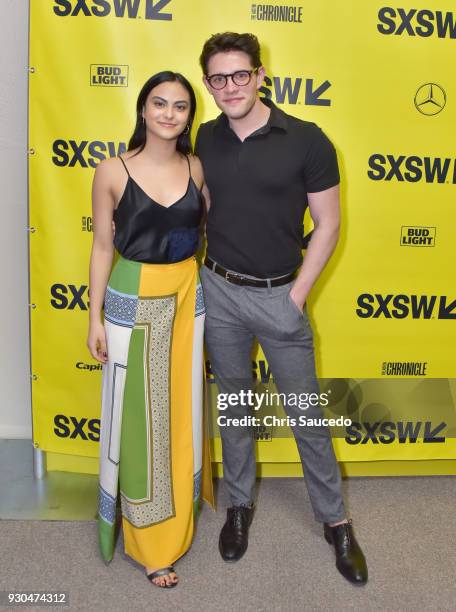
321, 246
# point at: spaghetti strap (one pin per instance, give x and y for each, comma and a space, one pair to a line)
189, 169
124, 165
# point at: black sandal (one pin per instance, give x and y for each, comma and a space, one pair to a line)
162, 572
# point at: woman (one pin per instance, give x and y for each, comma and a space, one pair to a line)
151, 441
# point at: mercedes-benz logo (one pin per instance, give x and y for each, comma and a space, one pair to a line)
430, 99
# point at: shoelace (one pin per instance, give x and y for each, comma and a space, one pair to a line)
237, 517
347, 532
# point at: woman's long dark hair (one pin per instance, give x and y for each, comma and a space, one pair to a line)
138, 139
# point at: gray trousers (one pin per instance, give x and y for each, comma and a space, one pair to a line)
235, 315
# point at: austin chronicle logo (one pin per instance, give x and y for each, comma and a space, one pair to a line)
430, 99
87, 224
271, 12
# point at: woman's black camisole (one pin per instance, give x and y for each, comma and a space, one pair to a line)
148, 232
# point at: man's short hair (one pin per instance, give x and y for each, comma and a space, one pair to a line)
231, 41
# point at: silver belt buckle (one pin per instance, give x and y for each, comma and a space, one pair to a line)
233, 274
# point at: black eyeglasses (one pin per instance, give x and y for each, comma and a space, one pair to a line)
240, 78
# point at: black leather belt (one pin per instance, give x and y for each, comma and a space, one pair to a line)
238, 279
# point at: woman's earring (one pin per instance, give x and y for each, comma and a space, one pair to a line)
187, 129
144, 120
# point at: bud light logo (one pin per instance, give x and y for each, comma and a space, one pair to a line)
108, 75
417, 236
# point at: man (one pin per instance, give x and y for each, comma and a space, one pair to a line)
262, 169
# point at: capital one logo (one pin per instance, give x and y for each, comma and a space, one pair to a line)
412, 22
288, 90
131, 9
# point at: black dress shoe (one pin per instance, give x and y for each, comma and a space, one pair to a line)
350, 559
234, 537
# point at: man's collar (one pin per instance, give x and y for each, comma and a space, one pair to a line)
277, 118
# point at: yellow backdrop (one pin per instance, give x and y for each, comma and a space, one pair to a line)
380, 81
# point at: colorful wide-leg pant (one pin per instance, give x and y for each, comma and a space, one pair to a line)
152, 447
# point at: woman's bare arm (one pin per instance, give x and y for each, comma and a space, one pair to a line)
102, 254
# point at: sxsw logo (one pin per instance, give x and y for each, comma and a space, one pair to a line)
261, 433
108, 75
417, 236
84, 153
412, 22
412, 168
260, 372
272, 12
287, 90
69, 297
403, 306
74, 427
388, 432
131, 9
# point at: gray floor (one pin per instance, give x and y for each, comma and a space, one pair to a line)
58, 496
407, 527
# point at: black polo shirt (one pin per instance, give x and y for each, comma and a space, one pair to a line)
259, 190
